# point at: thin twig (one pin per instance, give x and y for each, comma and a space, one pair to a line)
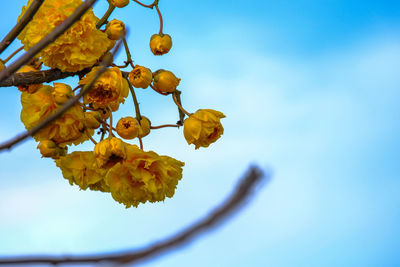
44, 76
149, 6
135, 101
161, 19
110, 134
161, 93
103, 20
179, 105
243, 191
13, 54
177, 94
128, 54
164, 126
50, 38
10, 37
104, 64
90, 137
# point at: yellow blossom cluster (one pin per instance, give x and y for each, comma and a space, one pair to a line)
79, 47
125, 170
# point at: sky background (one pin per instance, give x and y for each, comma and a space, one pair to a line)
311, 91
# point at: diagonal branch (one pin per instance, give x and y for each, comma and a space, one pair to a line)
241, 194
104, 64
51, 37
10, 37
44, 76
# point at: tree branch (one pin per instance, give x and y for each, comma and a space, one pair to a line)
104, 64
242, 192
44, 76
10, 37
51, 37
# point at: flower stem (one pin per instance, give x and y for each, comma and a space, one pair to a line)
103, 20
137, 109
161, 19
90, 137
13, 54
128, 54
111, 123
177, 99
164, 126
140, 142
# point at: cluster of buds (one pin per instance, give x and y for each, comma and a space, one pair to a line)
131, 174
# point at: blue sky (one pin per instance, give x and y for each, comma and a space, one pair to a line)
310, 90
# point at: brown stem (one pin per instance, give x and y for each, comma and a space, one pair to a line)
135, 101
245, 189
140, 142
90, 137
177, 94
148, 6
13, 54
103, 131
26, 18
161, 93
50, 38
128, 54
164, 126
179, 105
111, 123
161, 19
103, 20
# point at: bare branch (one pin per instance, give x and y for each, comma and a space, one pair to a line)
10, 37
51, 37
105, 63
44, 76
242, 192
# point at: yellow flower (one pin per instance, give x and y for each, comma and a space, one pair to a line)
66, 130
140, 77
49, 149
28, 88
160, 44
92, 119
120, 3
114, 29
165, 81
143, 176
109, 152
80, 169
61, 93
79, 47
110, 89
203, 127
128, 128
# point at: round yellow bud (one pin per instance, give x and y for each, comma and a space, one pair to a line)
165, 81
160, 44
144, 128
128, 128
120, 3
203, 127
49, 149
140, 77
61, 93
92, 119
105, 113
114, 29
